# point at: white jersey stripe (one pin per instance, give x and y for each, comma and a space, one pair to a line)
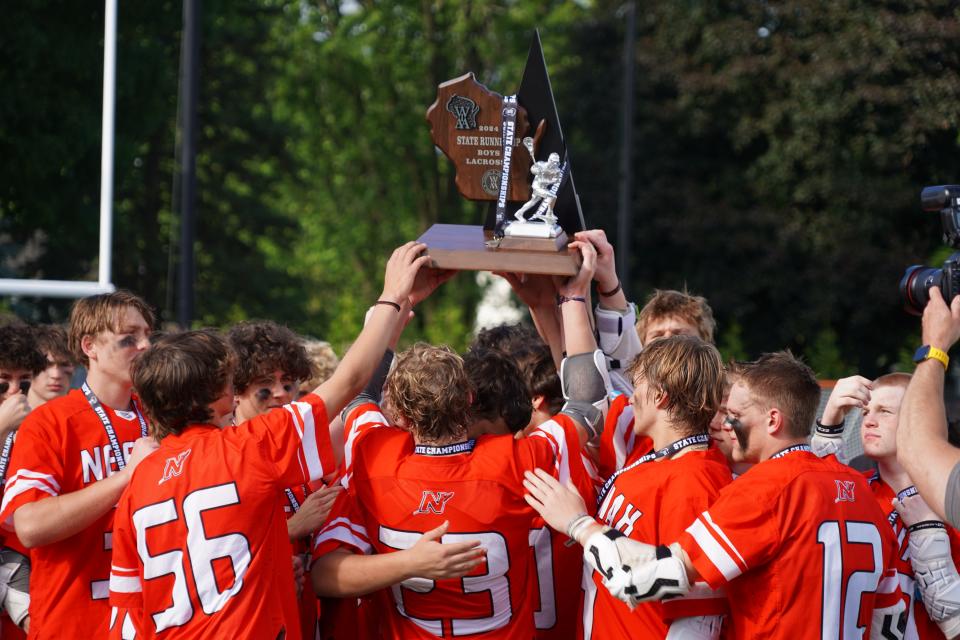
35, 475
123, 584
714, 552
22, 486
345, 535
589, 599
118, 570
367, 417
558, 436
310, 449
723, 536
359, 529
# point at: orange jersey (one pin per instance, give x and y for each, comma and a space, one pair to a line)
919, 624
802, 547
200, 542
653, 503
619, 445
308, 606
559, 566
9, 537
62, 447
397, 492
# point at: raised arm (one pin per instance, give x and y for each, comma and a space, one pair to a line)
367, 351
610, 291
583, 373
922, 446
573, 294
848, 393
615, 316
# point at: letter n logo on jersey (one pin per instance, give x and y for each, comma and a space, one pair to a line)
845, 491
433, 502
174, 466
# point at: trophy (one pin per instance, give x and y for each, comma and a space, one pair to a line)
508, 150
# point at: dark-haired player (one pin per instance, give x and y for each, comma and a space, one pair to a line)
792, 514
20, 362
272, 362
72, 460
200, 544
54, 380
443, 483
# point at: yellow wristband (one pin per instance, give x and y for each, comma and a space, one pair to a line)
939, 355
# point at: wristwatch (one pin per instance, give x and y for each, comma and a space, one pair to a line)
927, 352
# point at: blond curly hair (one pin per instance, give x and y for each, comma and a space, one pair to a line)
430, 393
324, 360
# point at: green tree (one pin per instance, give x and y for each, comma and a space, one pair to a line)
780, 149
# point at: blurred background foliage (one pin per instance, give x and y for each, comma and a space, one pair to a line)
779, 150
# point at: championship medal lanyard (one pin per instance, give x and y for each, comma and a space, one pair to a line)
108, 426
294, 503
5, 458
668, 451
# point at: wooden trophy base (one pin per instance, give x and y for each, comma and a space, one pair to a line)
464, 247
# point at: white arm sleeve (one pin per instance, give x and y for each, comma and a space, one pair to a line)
824, 445
617, 335
695, 628
937, 577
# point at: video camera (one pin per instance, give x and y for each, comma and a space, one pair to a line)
917, 280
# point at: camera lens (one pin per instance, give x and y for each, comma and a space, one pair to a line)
915, 287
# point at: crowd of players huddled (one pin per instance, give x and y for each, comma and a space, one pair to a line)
602, 475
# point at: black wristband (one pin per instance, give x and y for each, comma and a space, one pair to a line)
562, 299
829, 429
612, 292
926, 524
388, 302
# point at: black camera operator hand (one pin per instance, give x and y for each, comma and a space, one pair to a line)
922, 447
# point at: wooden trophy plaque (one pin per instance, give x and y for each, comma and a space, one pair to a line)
473, 127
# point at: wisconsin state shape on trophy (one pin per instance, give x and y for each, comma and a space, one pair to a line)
527, 179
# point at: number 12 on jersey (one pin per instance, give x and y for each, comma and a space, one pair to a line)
846, 577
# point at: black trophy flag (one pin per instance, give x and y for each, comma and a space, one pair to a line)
536, 96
